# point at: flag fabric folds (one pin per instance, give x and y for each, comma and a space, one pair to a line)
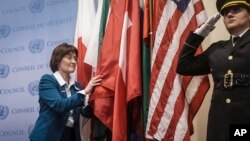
113, 49
84, 25
119, 63
86, 40
116, 57
174, 99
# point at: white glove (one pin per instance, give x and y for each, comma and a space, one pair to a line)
208, 26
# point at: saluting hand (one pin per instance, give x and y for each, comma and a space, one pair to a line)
208, 26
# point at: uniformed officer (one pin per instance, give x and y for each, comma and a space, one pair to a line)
228, 61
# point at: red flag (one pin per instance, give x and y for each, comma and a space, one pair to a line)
174, 99
119, 63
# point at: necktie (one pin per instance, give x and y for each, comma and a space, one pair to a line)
235, 39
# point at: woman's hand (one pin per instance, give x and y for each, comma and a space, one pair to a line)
92, 83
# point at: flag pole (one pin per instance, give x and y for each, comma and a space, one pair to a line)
151, 24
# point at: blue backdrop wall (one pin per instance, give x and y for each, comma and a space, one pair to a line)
29, 31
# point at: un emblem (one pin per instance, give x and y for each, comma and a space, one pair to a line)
4, 70
33, 88
36, 46
36, 6
4, 31
4, 111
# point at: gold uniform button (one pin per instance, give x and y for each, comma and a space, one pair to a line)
230, 57
228, 100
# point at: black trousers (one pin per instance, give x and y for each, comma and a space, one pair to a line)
68, 134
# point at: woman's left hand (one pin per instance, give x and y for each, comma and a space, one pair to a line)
95, 81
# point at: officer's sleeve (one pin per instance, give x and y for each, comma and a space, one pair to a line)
188, 63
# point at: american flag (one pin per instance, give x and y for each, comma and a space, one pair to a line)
174, 99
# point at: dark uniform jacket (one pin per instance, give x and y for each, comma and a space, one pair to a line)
229, 104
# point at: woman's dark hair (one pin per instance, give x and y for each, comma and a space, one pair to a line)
58, 53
